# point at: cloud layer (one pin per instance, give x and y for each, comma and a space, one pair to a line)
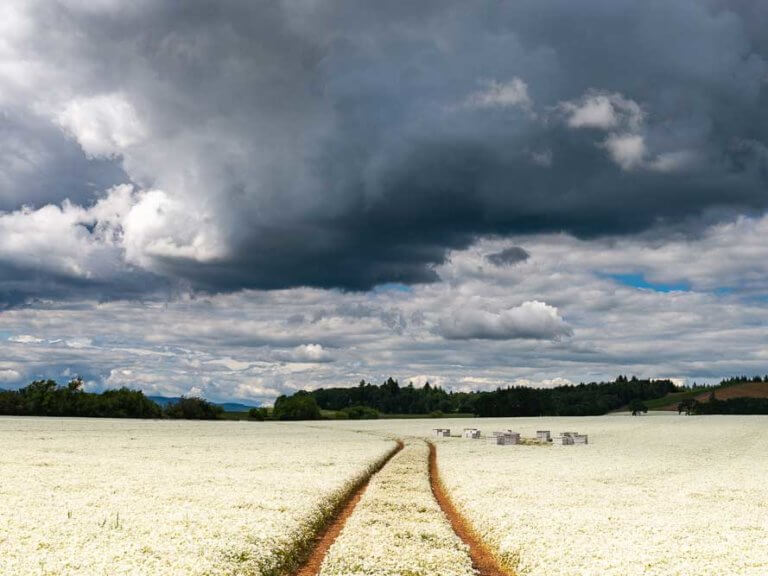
693, 309
342, 144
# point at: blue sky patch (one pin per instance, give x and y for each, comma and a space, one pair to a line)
392, 287
639, 281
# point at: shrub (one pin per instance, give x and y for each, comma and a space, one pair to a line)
193, 408
259, 414
360, 413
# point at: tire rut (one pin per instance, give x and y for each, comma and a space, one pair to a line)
325, 539
484, 560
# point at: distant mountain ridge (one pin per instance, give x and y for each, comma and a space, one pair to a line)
164, 401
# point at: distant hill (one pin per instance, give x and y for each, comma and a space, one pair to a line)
723, 392
743, 390
163, 401
235, 406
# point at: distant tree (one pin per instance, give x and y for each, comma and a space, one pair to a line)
359, 413
47, 398
40, 397
193, 408
258, 414
300, 406
637, 407
686, 406
75, 385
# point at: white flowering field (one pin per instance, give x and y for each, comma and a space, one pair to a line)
657, 495
126, 497
398, 527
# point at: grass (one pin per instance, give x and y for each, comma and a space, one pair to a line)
670, 401
331, 415
234, 416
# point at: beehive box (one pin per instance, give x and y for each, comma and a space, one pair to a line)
507, 439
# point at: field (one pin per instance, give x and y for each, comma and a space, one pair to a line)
656, 495
116, 497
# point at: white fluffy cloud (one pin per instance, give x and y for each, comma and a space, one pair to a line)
103, 125
160, 226
124, 227
604, 111
7, 375
25, 339
532, 319
513, 93
305, 353
624, 120
627, 150
58, 238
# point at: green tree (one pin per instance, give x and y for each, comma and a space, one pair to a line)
258, 414
637, 406
193, 408
686, 406
300, 406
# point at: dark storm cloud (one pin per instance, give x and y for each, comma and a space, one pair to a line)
40, 165
23, 287
509, 256
348, 144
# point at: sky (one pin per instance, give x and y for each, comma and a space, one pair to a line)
242, 199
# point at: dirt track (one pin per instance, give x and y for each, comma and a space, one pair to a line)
325, 539
483, 559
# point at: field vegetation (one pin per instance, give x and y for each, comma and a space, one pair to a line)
658, 495
398, 527
100, 497
654, 496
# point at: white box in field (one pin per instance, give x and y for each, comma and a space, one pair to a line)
506, 438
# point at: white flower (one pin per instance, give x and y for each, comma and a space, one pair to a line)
83, 497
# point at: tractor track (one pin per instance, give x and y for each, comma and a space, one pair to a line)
484, 560
326, 537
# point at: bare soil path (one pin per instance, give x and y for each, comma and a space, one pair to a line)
483, 559
326, 538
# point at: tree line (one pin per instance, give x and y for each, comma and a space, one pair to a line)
47, 398
742, 405
594, 398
